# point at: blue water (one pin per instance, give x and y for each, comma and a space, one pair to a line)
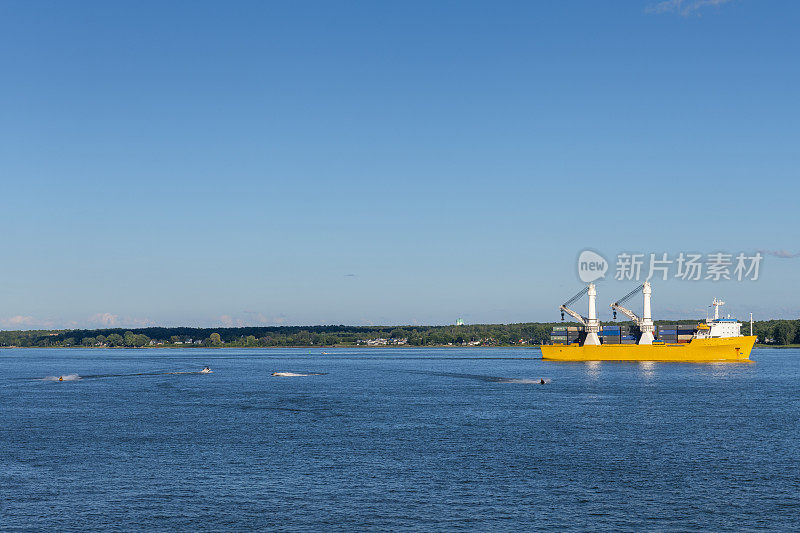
411, 439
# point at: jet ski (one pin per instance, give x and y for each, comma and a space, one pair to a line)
205, 370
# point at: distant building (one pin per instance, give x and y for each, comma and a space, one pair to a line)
460, 322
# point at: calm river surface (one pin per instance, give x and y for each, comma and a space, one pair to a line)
411, 439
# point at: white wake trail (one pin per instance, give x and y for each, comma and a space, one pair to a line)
68, 377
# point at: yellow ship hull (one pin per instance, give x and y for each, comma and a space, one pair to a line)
696, 351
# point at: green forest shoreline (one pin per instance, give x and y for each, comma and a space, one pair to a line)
771, 333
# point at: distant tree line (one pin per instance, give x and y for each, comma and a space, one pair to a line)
779, 332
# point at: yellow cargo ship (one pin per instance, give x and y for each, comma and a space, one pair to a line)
718, 339
697, 351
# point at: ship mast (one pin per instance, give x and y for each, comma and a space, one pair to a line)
645, 323
591, 323
716, 303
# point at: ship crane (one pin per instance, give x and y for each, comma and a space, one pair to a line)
645, 323
591, 323
565, 307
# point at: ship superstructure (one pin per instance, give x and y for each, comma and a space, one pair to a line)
719, 327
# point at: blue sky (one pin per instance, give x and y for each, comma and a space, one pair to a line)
212, 163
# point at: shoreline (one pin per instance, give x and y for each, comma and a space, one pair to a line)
316, 347
311, 347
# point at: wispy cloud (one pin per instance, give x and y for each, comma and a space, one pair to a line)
251, 318
18, 321
683, 7
228, 321
783, 254
110, 320
24, 322
104, 319
258, 318
98, 320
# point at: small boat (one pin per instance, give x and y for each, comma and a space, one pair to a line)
206, 370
